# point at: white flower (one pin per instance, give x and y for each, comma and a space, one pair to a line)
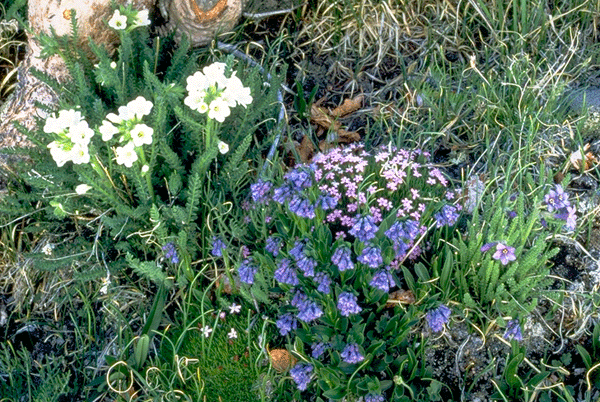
126, 155
118, 21
234, 308
197, 82
145, 169
196, 101
113, 65
53, 125
232, 334
81, 133
59, 153
236, 92
105, 283
223, 147
69, 118
82, 189
139, 107
114, 118
206, 331
80, 154
141, 134
47, 249
218, 110
215, 74
141, 19
107, 130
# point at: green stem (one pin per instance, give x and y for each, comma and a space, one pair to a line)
147, 175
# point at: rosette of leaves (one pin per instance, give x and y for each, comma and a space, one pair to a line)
486, 279
336, 234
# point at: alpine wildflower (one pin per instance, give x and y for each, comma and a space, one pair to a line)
351, 354
437, 317
504, 254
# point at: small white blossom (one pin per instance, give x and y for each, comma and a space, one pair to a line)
113, 118
126, 155
223, 147
145, 169
107, 130
196, 101
82, 189
113, 65
118, 21
105, 283
139, 107
47, 249
59, 153
141, 19
141, 134
232, 334
80, 154
234, 308
206, 331
81, 133
197, 82
215, 74
218, 110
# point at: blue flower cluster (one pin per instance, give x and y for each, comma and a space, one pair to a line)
217, 247
171, 253
351, 354
301, 374
437, 317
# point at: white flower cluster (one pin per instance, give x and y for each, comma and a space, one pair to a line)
210, 91
119, 21
133, 133
74, 136
74, 133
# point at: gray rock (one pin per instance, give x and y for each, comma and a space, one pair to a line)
582, 98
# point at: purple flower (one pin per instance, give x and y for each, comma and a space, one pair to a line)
299, 178
282, 194
556, 199
307, 265
300, 373
171, 253
568, 214
412, 229
217, 247
447, 216
286, 323
364, 228
382, 280
309, 311
437, 317
318, 349
512, 214
488, 246
324, 282
347, 304
298, 299
351, 354
327, 202
341, 258
504, 254
513, 331
247, 270
400, 248
302, 207
298, 250
273, 245
396, 232
285, 273
260, 191
371, 256
374, 398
